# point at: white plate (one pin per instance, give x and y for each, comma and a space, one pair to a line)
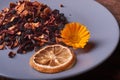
104, 39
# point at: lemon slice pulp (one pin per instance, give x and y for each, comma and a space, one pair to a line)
52, 59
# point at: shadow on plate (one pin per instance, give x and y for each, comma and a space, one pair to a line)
88, 48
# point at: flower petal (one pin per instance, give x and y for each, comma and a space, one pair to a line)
75, 34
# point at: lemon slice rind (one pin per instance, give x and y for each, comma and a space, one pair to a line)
53, 69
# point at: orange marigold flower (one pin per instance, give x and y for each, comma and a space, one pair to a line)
75, 34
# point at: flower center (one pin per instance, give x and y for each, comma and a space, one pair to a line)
74, 38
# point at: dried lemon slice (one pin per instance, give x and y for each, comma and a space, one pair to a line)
52, 59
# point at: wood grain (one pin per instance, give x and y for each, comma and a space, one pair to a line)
113, 6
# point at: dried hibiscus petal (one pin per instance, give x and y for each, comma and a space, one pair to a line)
11, 54
30, 25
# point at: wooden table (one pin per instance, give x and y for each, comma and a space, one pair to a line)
110, 69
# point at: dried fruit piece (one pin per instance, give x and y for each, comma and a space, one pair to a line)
61, 5
2, 46
29, 21
52, 59
11, 54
